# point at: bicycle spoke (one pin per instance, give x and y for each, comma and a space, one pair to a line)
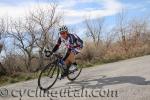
49, 71
48, 77
53, 72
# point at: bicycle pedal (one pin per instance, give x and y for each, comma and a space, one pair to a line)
74, 70
60, 78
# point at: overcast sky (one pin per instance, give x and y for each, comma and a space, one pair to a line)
76, 10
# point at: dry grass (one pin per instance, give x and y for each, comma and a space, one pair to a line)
97, 55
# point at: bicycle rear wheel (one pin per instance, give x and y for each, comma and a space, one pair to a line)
48, 76
73, 73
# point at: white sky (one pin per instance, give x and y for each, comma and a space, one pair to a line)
71, 14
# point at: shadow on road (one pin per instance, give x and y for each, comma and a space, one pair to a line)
104, 81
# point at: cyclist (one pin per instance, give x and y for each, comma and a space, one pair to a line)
73, 44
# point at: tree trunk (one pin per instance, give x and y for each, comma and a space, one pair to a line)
2, 70
1, 46
29, 63
41, 59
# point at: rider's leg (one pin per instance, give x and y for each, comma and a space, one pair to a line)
65, 57
70, 59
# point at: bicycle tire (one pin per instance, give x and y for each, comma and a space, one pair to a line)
48, 67
79, 71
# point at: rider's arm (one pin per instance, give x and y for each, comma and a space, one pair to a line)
77, 40
57, 45
73, 40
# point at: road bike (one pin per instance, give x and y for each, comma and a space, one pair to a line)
53, 71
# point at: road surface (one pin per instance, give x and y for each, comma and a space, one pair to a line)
123, 80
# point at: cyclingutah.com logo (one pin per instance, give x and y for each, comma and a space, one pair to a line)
3, 92
68, 92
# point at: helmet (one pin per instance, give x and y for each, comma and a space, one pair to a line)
63, 29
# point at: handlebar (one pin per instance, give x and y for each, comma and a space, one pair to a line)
49, 53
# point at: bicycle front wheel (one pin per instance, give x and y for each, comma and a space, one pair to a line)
48, 76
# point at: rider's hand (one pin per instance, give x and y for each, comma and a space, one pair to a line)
48, 53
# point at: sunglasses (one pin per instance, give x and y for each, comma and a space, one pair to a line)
62, 33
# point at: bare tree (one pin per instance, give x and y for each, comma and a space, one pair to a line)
46, 20
122, 28
138, 28
24, 36
2, 32
110, 37
94, 29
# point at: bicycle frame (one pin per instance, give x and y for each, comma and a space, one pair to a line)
56, 62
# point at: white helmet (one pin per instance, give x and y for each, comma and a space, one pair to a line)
63, 29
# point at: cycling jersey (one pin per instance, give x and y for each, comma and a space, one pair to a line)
72, 42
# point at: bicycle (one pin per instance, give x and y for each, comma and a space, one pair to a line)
50, 73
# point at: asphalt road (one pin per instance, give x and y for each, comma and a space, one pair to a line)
123, 80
